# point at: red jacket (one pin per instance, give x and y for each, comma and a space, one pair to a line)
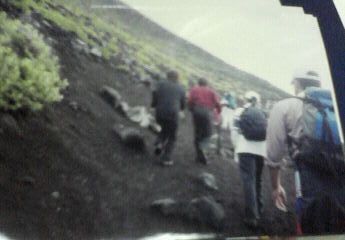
204, 96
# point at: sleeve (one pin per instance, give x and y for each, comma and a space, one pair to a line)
276, 136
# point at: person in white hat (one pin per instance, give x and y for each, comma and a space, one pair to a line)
250, 155
286, 131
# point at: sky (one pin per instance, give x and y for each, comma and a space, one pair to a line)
257, 36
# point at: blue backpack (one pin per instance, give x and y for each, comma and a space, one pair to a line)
320, 145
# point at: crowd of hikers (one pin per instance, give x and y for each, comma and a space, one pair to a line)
302, 128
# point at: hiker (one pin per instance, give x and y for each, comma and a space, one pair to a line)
227, 115
168, 100
248, 136
305, 127
231, 99
202, 101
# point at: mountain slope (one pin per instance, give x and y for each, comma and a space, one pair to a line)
190, 60
64, 174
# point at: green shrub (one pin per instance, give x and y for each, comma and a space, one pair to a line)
22, 4
123, 68
29, 72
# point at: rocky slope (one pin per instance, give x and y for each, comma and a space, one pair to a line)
64, 173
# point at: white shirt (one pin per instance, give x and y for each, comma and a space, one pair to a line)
241, 144
227, 116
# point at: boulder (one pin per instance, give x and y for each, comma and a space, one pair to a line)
80, 45
112, 96
123, 108
46, 24
155, 127
208, 180
204, 210
166, 206
55, 195
140, 115
207, 211
131, 137
96, 52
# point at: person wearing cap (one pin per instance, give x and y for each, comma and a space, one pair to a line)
250, 155
227, 115
168, 100
202, 102
284, 125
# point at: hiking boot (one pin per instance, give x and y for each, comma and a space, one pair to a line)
158, 149
204, 155
251, 223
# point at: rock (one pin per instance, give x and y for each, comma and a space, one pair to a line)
127, 61
112, 96
140, 115
50, 41
146, 81
96, 52
155, 127
47, 24
123, 108
55, 195
27, 180
208, 180
131, 137
77, 107
9, 124
80, 45
149, 70
166, 206
74, 105
207, 211
36, 24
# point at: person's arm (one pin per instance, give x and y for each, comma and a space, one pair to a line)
276, 138
217, 104
278, 192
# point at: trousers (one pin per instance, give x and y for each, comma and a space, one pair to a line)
251, 166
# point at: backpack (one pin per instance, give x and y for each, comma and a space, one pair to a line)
319, 145
253, 124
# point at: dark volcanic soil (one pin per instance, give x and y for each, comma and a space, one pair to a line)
65, 174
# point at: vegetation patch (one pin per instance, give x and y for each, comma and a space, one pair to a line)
29, 72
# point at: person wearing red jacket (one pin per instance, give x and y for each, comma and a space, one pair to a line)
202, 101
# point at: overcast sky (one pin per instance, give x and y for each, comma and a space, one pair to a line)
258, 36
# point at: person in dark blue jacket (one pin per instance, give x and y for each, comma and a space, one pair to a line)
168, 100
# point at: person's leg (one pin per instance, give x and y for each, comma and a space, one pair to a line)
203, 125
259, 168
248, 172
162, 137
197, 133
171, 138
